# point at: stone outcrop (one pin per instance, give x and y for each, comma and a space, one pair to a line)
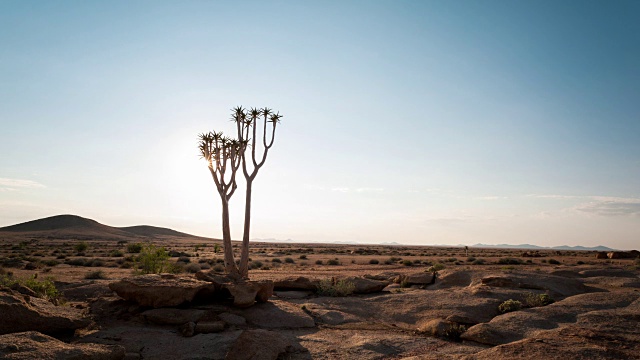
246, 293
365, 286
169, 316
163, 290
20, 313
295, 283
259, 344
34, 345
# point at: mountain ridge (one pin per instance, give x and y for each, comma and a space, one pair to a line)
67, 226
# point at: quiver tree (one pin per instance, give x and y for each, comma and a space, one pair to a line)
223, 156
247, 123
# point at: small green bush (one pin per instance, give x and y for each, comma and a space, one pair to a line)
537, 300
471, 259
276, 260
319, 262
478, 262
134, 248
44, 289
333, 262
509, 306
51, 262
374, 261
407, 262
116, 253
454, 332
554, 262
152, 260
81, 246
303, 257
342, 287
192, 268
289, 260
99, 274
256, 264
436, 267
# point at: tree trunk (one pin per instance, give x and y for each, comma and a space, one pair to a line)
229, 261
244, 256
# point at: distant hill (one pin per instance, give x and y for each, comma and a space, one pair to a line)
536, 247
73, 226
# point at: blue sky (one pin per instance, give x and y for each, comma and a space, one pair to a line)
419, 122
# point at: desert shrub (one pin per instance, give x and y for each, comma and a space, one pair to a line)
327, 287
184, 259
276, 260
51, 262
116, 253
134, 248
303, 257
554, 262
76, 261
537, 300
152, 260
333, 262
454, 332
81, 246
394, 259
478, 262
61, 257
205, 266
580, 263
452, 259
374, 261
509, 261
94, 263
289, 260
122, 242
436, 267
319, 262
471, 259
509, 306
407, 262
218, 268
99, 274
256, 264
192, 268
44, 289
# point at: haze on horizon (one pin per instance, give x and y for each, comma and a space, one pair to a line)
417, 122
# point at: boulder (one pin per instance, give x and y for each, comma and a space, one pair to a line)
169, 316
364, 285
277, 314
247, 293
208, 327
422, 278
232, 319
623, 254
161, 290
26, 313
295, 283
259, 344
601, 255
34, 345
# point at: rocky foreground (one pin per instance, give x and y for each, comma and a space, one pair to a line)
595, 315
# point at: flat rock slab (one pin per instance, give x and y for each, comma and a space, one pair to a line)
161, 290
34, 345
20, 313
277, 314
293, 294
155, 343
232, 319
260, 344
521, 324
169, 316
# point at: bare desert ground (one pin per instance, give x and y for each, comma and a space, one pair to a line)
568, 304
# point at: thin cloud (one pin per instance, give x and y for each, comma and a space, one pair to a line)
629, 207
377, 190
12, 184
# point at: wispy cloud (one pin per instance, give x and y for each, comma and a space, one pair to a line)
619, 207
7, 184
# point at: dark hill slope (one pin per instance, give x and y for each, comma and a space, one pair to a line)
73, 226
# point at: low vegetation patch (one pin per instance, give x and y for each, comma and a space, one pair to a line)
95, 275
44, 289
134, 248
342, 287
454, 332
537, 300
153, 260
509, 261
554, 262
509, 306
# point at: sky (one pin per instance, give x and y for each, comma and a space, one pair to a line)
416, 122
